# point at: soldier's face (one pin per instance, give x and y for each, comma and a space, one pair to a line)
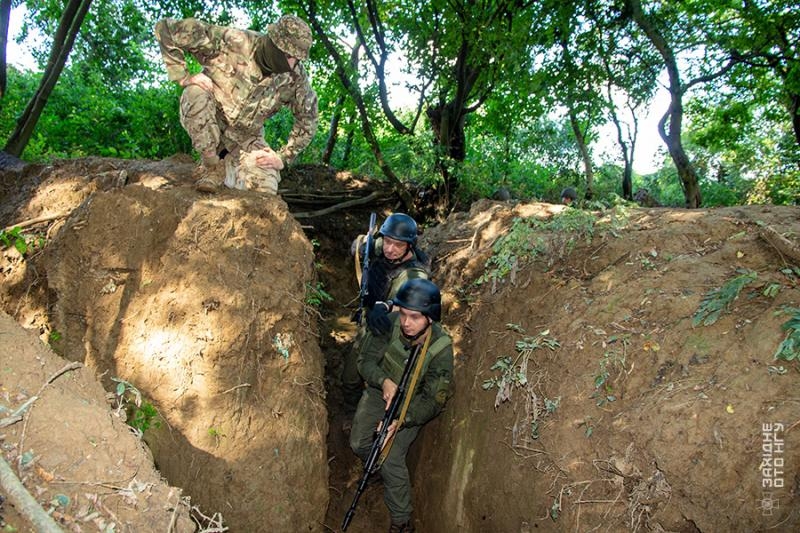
394, 249
292, 61
412, 322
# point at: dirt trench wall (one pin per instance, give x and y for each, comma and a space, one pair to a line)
673, 440
80, 462
198, 302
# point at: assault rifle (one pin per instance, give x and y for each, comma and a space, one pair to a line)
365, 271
373, 462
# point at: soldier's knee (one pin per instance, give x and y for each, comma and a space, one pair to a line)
197, 102
195, 92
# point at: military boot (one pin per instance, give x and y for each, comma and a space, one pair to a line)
405, 527
209, 174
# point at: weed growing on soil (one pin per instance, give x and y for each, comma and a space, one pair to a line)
532, 237
140, 415
613, 360
21, 241
514, 375
316, 294
54, 337
789, 349
718, 300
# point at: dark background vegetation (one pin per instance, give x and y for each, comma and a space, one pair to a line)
506, 94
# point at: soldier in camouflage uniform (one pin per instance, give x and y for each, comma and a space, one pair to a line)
247, 77
394, 260
415, 316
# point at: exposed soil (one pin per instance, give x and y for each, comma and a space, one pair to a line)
204, 304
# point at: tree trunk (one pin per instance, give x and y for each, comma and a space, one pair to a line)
310, 9
794, 111
672, 137
348, 143
333, 134
580, 138
447, 122
330, 144
5, 18
68, 28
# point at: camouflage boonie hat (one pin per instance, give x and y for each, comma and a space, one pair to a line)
291, 35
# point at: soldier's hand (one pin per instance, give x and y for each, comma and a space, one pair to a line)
199, 79
389, 390
268, 158
378, 320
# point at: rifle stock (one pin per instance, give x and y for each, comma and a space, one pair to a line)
364, 291
372, 463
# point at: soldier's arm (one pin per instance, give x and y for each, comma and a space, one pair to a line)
369, 360
434, 390
178, 37
305, 113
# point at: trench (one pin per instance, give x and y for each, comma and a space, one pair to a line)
332, 236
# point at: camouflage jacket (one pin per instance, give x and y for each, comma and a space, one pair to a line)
245, 97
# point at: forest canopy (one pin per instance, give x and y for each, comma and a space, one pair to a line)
504, 94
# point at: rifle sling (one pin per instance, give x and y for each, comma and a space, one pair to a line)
418, 364
358, 263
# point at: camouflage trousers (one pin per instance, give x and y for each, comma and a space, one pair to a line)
209, 132
394, 471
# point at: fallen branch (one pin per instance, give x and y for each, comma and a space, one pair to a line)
16, 416
780, 243
359, 201
24, 503
34, 221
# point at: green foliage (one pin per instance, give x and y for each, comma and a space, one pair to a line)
716, 301
789, 349
54, 337
612, 365
140, 415
526, 239
15, 238
513, 374
316, 294
84, 116
529, 64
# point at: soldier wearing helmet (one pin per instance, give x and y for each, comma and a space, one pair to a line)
246, 78
569, 196
394, 259
416, 312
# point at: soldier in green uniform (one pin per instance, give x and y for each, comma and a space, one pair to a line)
415, 316
394, 260
247, 78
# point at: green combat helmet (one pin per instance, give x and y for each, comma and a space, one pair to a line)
400, 227
291, 35
420, 295
568, 195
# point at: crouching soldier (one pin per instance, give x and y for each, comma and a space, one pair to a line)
415, 316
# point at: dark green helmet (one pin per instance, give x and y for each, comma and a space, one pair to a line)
570, 193
400, 227
420, 295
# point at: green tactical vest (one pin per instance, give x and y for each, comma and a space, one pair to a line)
396, 355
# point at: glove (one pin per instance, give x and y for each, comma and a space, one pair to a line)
378, 319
